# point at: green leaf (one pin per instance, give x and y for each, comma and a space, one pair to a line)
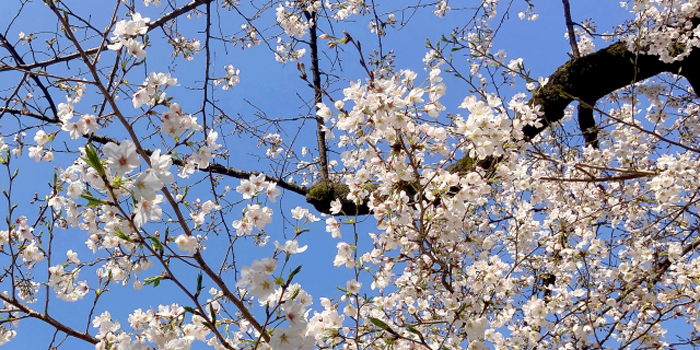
199, 283
213, 314
121, 235
379, 323
118, 181
414, 331
155, 243
92, 200
190, 309
155, 281
93, 160
184, 193
298, 230
295, 294
294, 273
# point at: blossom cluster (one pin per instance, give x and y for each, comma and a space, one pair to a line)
663, 29
126, 33
483, 238
149, 93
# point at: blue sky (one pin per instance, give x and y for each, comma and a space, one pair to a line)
273, 88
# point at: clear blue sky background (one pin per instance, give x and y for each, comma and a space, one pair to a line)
273, 88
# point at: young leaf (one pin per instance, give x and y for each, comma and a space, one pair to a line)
199, 283
379, 323
294, 273
92, 201
415, 331
93, 160
155, 281
156, 243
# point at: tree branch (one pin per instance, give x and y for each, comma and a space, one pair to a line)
591, 77
318, 96
89, 52
49, 320
587, 78
16, 56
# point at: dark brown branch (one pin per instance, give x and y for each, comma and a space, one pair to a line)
214, 168
89, 52
586, 123
585, 111
591, 77
16, 56
570, 29
587, 78
177, 12
60, 326
318, 96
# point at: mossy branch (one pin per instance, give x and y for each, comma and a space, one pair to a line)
586, 79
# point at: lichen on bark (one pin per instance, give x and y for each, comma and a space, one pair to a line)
323, 193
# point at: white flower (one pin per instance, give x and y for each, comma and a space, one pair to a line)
148, 210
141, 97
73, 129
160, 164
72, 257
122, 158
323, 111
146, 186
333, 227
258, 216
294, 313
204, 155
353, 287
291, 247
32, 253
298, 213
187, 243
36, 152
242, 227
87, 124
336, 206
272, 192
41, 138
135, 48
261, 286
266, 266
247, 189
65, 111
286, 338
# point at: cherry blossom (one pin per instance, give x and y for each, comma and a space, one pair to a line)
148, 210
472, 204
122, 158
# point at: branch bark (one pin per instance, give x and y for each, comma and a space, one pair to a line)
92, 51
582, 79
318, 95
60, 326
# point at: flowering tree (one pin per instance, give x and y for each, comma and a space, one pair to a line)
491, 222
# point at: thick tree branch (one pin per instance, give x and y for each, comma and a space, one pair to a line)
318, 95
584, 79
591, 77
